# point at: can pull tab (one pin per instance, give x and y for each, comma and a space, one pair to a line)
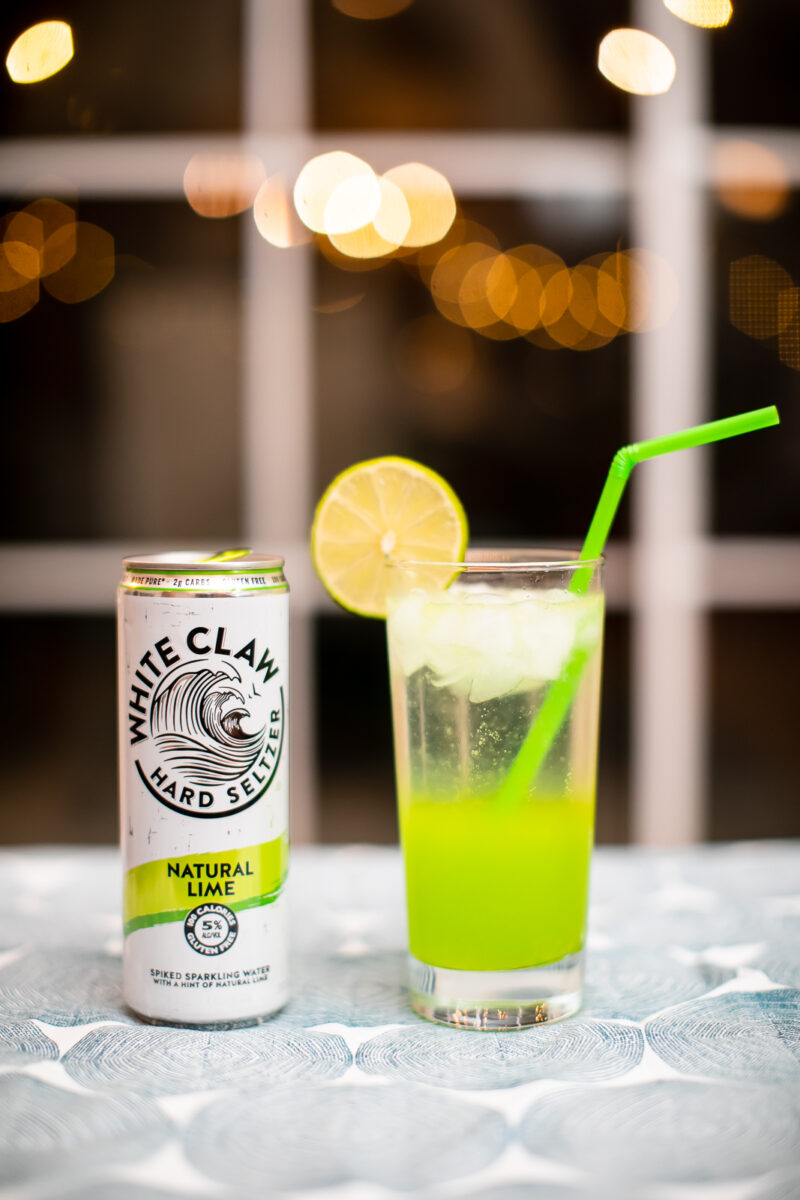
227, 555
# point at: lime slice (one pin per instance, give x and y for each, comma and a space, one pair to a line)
382, 511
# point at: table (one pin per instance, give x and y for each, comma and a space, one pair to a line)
680, 1080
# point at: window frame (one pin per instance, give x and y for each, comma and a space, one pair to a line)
672, 573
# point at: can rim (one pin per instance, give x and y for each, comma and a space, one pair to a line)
199, 562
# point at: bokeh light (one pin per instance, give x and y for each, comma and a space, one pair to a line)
558, 328
758, 302
75, 259
275, 216
320, 178
384, 233
351, 205
18, 294
10, 277
22, 258
433, 356
525, 310
59, 248
370, 10
474, 284
637, 62
582, 308
23, 240
708, 14
534, 267
585, 310
40, 52
608, 297
487, 291
348, 262
530, 291
58, 228
764, 302
393, 218
752, 181
630, 278
582, 304
424, 259
611, 306
789, 334
90, 269
40, 238
500, 331
23, 237
555, 300
430, 200
222, 185
450, 273
363, 243
597, 303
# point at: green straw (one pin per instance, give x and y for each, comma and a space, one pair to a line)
560, 694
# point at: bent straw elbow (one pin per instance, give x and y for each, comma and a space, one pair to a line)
622, 464
625, 460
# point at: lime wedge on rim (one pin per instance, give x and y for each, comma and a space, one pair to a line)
381, 511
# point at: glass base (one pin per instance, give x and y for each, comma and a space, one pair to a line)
497, 1000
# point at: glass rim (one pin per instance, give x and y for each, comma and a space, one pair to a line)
488, 558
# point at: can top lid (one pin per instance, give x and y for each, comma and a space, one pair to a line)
224, 562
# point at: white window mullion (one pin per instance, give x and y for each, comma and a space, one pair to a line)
277, 358
670, 391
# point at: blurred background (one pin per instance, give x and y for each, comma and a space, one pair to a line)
185, 363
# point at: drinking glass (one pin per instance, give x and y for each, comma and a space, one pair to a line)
496, 877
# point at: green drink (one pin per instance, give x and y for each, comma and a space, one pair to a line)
495, 670
496, 886
522, 877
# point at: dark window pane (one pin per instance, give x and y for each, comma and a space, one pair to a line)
755, 763
525, 435
755, 65
149, 67
122, 412
755, 478
446, 64
612, 822
58, 733
354, 733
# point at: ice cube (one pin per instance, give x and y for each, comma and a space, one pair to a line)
489, 642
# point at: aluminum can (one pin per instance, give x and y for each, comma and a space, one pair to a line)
204, 786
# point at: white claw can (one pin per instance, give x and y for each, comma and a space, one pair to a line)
204, 786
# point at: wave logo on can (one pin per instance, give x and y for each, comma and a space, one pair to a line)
207, 721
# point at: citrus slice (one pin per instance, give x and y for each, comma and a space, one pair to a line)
378, 512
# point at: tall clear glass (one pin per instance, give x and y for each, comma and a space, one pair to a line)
497, 884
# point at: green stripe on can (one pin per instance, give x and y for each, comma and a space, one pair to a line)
147, 920
165, 889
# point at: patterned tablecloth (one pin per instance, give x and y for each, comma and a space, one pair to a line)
679, 1081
